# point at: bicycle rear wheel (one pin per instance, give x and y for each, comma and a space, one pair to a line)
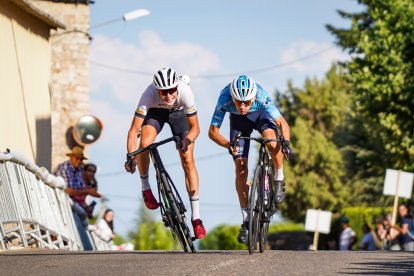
255, 212
179, 226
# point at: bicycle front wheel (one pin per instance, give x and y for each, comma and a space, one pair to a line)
267, 213
255, 210
178, 218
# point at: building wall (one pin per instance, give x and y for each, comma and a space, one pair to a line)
69, 86
25, 60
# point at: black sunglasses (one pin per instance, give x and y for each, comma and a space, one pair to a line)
168, 91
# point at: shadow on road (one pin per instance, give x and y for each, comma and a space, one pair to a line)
395, 266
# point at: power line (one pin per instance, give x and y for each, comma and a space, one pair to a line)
269, 68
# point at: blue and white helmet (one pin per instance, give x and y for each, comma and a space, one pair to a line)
166, 78
243, 88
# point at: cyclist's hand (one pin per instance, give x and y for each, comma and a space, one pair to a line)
183, 145
287, 150
130, 165
233, 149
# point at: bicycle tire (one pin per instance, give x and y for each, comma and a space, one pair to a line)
166, 211
267, 213
180, 226
255, 211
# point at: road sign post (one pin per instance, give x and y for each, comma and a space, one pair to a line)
399, 184
318, 221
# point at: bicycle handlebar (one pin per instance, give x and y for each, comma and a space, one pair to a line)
259, 140
153, 145
286, 149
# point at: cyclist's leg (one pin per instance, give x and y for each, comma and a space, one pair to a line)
180, 127
242, 186
153, 123
245, 125
266, 126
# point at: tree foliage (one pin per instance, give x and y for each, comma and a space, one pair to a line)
222, 237
381, 40
316, 113
151, 234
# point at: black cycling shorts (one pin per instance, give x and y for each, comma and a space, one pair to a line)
177, 120
258, 120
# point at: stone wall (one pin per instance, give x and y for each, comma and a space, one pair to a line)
69, 81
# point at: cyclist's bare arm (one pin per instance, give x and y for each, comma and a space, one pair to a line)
133, 133
215, 135
284, 127
194, 128
136, 124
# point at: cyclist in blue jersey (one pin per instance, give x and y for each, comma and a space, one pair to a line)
250, 107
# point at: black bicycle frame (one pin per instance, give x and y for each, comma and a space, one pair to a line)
156, 160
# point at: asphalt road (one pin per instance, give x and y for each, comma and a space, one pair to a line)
47, 262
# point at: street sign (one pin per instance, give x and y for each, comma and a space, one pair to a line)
318, 221
398, 183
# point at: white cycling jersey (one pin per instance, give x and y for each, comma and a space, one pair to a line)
151, 99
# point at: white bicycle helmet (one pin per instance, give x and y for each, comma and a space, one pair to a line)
166, 78
243, 88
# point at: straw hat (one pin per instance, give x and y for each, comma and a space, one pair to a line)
77, 151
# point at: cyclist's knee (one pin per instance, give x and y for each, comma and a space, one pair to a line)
145, 142
241, 168
274, 147
188, 163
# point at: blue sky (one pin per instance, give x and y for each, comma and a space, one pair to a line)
199, 39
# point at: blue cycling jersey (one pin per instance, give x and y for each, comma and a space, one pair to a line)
225, 104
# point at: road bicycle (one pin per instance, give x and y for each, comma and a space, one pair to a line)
170, 203
262, 196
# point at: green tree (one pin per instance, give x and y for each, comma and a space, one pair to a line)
222, 237
381, 41
151, 234
316, 176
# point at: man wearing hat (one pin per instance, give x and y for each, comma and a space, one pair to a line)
348, 237
72, 172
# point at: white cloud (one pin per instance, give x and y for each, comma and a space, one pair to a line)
115, 123
315, 65
115, 93
149, 55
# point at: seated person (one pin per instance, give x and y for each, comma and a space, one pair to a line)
89, 171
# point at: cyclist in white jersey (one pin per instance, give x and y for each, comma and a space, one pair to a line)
250, 108
168, 99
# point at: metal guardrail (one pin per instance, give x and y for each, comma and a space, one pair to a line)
35, 211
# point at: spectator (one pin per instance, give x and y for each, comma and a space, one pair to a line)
347, 238
104, 231
368, 241
387, 234
89, 171
71, 170
407, 243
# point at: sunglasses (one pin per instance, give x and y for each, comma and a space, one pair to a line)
245, 103
168, 91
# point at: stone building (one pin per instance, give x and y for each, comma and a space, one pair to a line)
69, 81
